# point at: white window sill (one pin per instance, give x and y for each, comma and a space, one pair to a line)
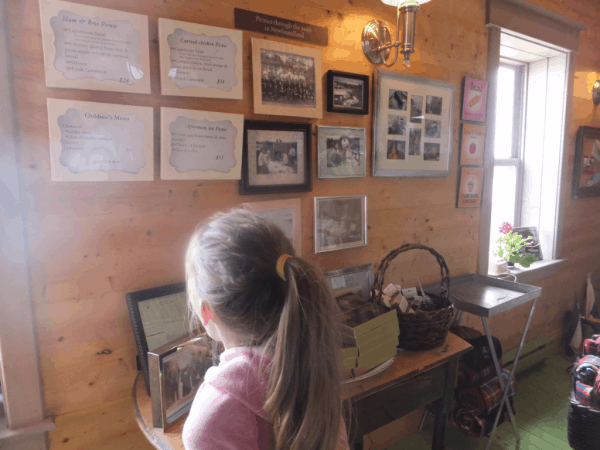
537, 271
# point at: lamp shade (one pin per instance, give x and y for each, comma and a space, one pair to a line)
404, 2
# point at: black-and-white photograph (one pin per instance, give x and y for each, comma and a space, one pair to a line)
414, 142
396, 124
276, 156
343, 151
432, 152
398, 100
287, 79
396, 150
183, 373
416, 108
433, 128
433, 105
348, 93
340, 223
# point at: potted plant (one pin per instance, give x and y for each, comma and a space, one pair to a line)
510, 245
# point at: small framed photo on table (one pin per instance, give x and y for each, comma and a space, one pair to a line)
340, 223
347, 93
341, 152
276, 158
412, 134
287, 79
474, 99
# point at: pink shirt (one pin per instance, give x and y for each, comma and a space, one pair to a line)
227, 412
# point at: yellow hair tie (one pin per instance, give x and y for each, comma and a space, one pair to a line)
281, 265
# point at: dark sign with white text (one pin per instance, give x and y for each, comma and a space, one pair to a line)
290, 29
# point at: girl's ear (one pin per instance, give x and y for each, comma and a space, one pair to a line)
205, 313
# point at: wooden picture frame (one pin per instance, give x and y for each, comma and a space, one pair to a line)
276, 158
341, 152
287, 79
474, 100
340, 223
347, 93
413, 125
286, 214
586, 171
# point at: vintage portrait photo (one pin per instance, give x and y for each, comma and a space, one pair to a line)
416, 108
275, 157
414, 142
340, 222
287, 79
396, 124
432, 152
433, 105
396, 150
347, 93
398, 100
341, 152
433, 128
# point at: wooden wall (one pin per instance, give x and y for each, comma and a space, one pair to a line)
91, 243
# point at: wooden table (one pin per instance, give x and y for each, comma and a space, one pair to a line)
413, 380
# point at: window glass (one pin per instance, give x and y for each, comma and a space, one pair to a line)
504, 192
505, 113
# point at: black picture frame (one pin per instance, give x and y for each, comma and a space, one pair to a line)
334, 106
535, 247
274, 132
584, 149
134, 299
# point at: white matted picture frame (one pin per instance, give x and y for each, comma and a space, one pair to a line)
100, 141
413, 124
286, 214
340, 223
200, 145
342, 152
86, 47
286, 79
200, 60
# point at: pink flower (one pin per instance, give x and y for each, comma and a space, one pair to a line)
506, 228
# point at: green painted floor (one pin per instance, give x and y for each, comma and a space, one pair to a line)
541, 406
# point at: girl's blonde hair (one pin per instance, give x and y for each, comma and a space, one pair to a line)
231, 265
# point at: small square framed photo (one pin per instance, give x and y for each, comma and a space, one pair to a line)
276, 158
347, 93
340, 223
341, 152
176, 372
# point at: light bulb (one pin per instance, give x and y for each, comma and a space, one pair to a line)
403, 2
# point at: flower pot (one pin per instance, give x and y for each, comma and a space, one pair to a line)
498, 266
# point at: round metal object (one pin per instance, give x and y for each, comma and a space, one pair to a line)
375, 35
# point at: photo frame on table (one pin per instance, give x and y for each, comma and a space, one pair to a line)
276, 158
340, 223
287, 79
176, 372
200, 60
341, 152
474, 100
158, 316
586, 172
472, 144
286, 214
535, 247
92, 48
356, 280
413, 125
347, 93
470, 186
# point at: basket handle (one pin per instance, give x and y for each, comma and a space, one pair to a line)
385, 262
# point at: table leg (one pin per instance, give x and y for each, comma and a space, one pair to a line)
439, 426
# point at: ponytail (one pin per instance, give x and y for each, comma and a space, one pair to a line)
304, 391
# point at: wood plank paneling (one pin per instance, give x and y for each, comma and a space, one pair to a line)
91, 243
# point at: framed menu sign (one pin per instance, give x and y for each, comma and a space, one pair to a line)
86, 47
200, 61
200, 145
474, 99
100, 141
472, 142
470, 185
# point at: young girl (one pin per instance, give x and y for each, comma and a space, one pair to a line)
277, 385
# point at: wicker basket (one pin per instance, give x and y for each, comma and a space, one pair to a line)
583, 425
420, 330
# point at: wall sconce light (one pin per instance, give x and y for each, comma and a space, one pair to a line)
376, 40
596, 93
